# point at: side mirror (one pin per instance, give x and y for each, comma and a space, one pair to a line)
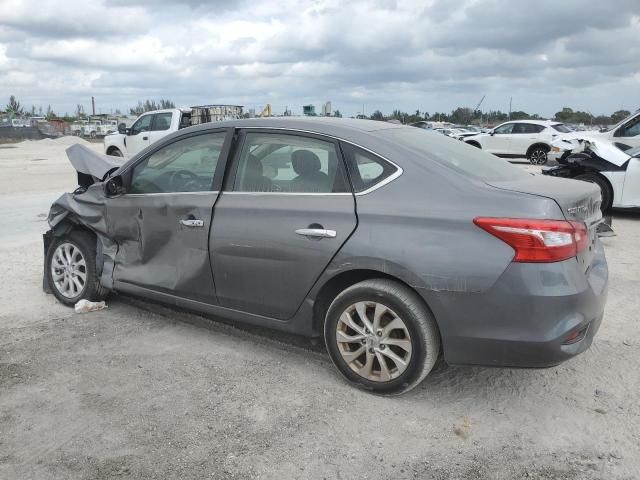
492, 132
114, 186
122, 128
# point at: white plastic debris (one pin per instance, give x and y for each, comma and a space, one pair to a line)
85, 306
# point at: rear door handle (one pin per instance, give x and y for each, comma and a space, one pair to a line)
145, 138
192, 223
316, 232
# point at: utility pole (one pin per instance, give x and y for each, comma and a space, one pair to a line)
93, 106
510, 99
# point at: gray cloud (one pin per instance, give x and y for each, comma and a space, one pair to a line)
384, 54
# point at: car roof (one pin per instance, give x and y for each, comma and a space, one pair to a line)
332, 126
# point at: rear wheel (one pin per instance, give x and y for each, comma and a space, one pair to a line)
537, 155
71, 268
605, 188
381, 336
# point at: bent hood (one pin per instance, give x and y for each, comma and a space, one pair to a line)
90, 162
599, 146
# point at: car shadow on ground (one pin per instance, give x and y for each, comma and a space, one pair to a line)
454, 383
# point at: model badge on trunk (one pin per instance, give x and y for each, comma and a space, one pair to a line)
577, 209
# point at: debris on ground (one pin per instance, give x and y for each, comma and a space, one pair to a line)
86, 306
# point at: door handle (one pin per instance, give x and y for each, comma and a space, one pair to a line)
192, 223
145, 138
316, 232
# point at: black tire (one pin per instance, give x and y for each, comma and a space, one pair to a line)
85, 242
411, 309
605, 188
537, 155
114, 152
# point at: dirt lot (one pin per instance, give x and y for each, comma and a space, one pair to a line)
142, 391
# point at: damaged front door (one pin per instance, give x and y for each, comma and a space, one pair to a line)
161, 224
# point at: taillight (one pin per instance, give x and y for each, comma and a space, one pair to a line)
538, 240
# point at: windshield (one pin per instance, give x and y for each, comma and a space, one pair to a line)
622, 121
455, 154
559, 127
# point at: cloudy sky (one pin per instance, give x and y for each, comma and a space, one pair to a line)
431, 55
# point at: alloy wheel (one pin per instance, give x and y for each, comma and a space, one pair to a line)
68, 270
373, 341
538, 157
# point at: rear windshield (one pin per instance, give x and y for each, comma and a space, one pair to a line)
455, 154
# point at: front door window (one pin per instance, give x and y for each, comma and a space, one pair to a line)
504, 129
187, 165
143, 124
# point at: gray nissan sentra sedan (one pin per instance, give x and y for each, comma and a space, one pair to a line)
394, 243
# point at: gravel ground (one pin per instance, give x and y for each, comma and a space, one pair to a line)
144, 391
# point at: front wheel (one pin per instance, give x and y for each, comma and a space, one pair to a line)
381, 336
71, 268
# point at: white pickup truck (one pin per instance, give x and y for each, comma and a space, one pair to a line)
148, 128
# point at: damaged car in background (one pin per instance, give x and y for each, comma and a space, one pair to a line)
395, 244
603, 163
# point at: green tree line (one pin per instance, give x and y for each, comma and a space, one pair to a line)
465, 115
461, 115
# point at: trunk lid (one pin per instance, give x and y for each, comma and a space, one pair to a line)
578, 201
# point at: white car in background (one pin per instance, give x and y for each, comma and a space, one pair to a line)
598, 160
464, 132
624, 135
520, 138
449, 132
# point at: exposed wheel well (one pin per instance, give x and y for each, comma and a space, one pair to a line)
597, 173
340, 282
536, 145
111, 149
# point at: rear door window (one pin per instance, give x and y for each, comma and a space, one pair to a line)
284, 163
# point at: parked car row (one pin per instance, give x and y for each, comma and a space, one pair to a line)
93, 128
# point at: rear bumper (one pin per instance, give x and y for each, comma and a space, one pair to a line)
526, 317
